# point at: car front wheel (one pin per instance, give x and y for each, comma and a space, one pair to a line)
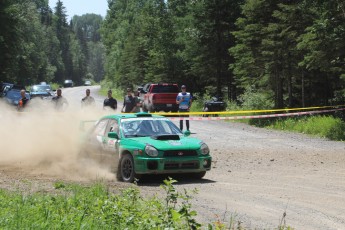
126, 169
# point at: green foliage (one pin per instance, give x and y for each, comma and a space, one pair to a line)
253, 99
322, 126
118, 93
96, 207
38, 45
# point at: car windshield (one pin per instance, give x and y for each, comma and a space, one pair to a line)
40, 88
145, 127
165, 89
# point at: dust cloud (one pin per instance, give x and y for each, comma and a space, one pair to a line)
42, 141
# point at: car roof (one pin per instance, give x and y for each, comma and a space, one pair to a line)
131, 115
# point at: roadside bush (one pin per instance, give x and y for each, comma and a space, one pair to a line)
198, 104
117, 92
253, 99
322, 126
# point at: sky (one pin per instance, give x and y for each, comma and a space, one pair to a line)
80, 7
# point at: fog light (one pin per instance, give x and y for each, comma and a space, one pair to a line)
207, 163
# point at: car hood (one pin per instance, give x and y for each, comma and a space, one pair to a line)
184, 143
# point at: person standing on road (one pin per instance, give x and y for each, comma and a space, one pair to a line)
60, 102
87, 101
22, 102
184, 100
129, 103
110, 101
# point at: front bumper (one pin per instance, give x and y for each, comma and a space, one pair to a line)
150, 165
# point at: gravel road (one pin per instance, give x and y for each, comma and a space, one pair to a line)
257, 174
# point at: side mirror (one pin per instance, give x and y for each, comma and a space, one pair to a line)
113, 135
186, 133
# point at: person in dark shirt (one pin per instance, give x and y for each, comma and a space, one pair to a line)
60, 102
23, 101
110, 101
129, 103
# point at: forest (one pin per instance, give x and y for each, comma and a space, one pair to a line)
290, 53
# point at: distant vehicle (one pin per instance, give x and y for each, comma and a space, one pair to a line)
68, 83
12, 94
43, 83
43, 91
87, 83
158, 97
3, 87
216, 104
143, 143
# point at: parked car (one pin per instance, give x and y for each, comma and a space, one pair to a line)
3, 87
12, 94
87, 83
68, 83
43, 91
158, 97
215, 104
143, 143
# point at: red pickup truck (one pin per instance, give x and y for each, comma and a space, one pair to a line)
159, 97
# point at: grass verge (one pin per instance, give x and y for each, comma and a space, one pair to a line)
321, 126
73, 206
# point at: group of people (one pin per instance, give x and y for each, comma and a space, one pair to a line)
60, 103
131, 103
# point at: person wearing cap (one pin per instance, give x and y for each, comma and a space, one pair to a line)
184, 100
110, 101
129, 103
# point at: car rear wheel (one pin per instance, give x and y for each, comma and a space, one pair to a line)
126, 169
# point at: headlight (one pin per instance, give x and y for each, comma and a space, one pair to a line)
204, 149
151, 151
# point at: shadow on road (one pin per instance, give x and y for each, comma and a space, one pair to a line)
157, 180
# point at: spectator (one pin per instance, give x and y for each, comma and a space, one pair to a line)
110, 101
23, 101
60, 102
87, 101
130, 103
184, 100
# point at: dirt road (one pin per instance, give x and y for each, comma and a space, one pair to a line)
257, 174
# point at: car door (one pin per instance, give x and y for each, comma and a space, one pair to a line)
96, 141
111, 146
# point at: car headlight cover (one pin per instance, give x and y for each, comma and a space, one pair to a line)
204, 148
151, 151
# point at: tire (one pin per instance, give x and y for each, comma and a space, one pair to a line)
126, 171
199, 175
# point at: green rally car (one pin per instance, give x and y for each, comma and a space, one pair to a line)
142, 143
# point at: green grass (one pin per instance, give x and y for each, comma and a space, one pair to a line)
76, 207
72, 206
321, 126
